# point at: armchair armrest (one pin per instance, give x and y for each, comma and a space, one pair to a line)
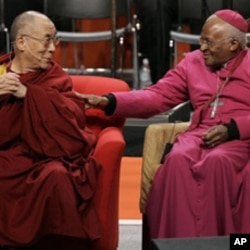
155, 140
181, 112
108, 151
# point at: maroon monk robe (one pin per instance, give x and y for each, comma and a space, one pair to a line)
47, 173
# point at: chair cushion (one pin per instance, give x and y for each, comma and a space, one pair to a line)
156, 138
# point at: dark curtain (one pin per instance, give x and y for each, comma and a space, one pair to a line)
157, 18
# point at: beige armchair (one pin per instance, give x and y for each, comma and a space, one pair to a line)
156, 138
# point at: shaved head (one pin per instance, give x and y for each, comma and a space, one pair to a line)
25, 22
33, 39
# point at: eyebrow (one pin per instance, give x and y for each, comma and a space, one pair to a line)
49, 35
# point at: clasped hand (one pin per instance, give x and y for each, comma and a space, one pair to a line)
10, 84
215, 135
93, 101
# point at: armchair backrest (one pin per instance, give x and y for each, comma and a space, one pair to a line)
99, 85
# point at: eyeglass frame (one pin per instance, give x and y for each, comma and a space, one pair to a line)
46, 42
211, 44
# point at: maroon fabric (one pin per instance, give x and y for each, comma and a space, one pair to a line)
47, 173
234, 18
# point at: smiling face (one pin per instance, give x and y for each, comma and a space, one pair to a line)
217, 43
35, 44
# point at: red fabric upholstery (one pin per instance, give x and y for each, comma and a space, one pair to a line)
99, 85
108, 152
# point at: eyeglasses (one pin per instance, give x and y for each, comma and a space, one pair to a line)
46, 41
210, 43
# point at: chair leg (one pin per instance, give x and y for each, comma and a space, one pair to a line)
121, 56
146, 240
135, 54
5, 40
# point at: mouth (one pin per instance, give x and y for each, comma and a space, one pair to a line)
206, 56
47, 59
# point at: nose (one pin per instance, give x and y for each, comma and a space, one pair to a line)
203, 46
52, 47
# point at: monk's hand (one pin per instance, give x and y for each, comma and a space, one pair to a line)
215, 135
93, 101
9, 83
20, 91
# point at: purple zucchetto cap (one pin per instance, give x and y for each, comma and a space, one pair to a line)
234, 18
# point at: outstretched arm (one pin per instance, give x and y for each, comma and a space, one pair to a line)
94, 101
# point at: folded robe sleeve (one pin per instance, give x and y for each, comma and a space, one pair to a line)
53, 123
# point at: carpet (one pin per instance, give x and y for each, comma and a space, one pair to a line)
130, 181
130, 237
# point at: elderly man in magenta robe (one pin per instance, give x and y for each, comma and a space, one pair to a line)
48, 175
202, 188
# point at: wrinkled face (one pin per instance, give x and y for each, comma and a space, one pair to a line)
38, 44
216, 43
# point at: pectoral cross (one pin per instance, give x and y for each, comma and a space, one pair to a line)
215, 105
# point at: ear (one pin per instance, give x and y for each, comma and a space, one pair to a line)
20, 43
235, 45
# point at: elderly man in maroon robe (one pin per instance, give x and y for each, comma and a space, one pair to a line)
47, 173
203, 186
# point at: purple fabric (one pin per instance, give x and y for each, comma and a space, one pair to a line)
199, 191
234, 18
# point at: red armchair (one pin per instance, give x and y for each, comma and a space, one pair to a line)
108, 152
